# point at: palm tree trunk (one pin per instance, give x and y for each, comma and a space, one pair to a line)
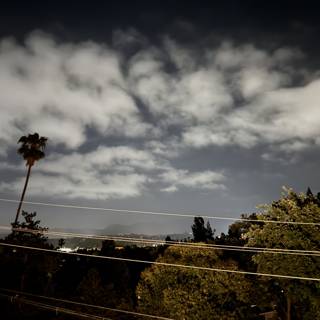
23, 193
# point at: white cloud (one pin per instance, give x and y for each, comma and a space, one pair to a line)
231, 57
168, 149
203, 135
182, 97
170, 189
219, 134
201, 98
254, 81
107, 172
103, 158
101, 174
63, 89
88, 186
272, 110
208, 180
287, 116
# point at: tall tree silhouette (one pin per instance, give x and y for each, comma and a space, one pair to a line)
200, 232
32, 149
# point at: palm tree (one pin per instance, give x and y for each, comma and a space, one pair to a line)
32, 150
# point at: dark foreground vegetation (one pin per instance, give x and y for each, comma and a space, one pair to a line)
171, 291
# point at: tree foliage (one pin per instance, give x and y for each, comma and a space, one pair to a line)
183, 293
24, 269
303, 296
32, 148
201, 233
29, 232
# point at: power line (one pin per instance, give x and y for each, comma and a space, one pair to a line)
56, 309
164, 213
171, 243
87, 305
163, 263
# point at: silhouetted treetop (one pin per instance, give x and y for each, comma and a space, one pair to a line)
32, 147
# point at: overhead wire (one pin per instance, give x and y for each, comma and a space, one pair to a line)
56, 309
158, 213
169, 242
167, 264
133, 313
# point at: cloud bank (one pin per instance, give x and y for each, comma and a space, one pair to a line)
156, 104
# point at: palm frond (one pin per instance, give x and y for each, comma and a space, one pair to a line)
23, 139
32, 147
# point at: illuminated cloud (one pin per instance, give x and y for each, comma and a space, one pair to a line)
146, 110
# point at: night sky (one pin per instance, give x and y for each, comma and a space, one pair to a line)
172, 106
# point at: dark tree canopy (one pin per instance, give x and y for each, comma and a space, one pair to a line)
32, 147
201, 233
28, 232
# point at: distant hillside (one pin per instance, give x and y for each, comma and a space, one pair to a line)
140, 228
130, 231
